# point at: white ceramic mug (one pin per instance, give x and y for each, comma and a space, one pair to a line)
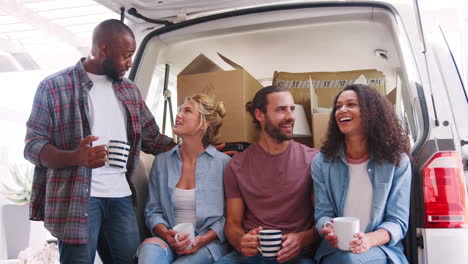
345, 228
270, 242
117, 153
185, 228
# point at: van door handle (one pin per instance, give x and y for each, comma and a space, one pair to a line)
420, 241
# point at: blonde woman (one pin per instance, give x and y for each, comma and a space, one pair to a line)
186, 186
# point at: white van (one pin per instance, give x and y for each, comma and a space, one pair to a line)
316, 36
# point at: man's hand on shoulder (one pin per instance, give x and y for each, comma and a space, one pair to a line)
221, 146
170, 146
249, 243
91, 157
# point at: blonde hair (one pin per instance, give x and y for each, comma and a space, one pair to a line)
211, 113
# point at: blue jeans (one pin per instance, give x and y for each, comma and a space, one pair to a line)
237, 258
374, 255
151, 253
113, 232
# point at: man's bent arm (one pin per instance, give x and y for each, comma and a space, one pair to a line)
311, 237
233, 229
54, 158
152, 141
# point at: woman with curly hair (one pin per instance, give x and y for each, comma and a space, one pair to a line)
363, 171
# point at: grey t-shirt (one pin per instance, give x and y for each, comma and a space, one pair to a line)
276, 189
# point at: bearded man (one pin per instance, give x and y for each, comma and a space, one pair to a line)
269, 186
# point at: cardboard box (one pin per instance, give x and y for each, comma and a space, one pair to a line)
320, 125
391, 96
319, 120
235, 88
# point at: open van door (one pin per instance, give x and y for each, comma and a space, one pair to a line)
452, 82
443, 229
443, 232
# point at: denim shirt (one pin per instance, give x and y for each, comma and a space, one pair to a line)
209, 194
390, 202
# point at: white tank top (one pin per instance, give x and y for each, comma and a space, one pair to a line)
184, 206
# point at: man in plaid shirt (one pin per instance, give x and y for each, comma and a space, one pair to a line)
83, 202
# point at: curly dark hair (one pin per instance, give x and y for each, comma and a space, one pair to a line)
386, 139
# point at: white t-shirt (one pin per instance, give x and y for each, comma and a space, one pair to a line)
107, 121
359, 199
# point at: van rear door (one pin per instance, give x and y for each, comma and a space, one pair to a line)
453, 84
444, 231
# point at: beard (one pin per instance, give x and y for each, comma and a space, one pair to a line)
110, 70
275, 131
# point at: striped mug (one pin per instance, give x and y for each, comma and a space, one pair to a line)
270, 242
117, 153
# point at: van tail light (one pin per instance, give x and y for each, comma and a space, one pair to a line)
444, 191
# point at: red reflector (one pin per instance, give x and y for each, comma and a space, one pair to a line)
444, 191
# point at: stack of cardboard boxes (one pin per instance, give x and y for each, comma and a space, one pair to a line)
314, 90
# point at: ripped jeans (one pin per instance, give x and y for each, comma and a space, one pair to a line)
152, 253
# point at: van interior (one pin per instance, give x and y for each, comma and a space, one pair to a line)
329, 39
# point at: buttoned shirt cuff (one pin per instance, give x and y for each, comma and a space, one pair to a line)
394, 230
34, 151
154, 221
218, 227
321, 222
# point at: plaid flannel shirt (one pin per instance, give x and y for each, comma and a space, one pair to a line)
59, 117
